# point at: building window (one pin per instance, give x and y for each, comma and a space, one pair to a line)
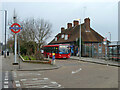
62, 36
66, 37
55, 38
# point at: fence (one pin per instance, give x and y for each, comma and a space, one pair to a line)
114, 50
93, 50
99, 50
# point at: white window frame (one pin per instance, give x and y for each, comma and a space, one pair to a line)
66, 37
62, 36
55, 38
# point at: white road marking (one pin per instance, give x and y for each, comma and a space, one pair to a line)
17, 82
32, 84
59, 85
5, 86
28, 82
73, 72
6, 79
33, 87
45, 78
54, 82
14, 74
35, 79
17, 85
45, 86
5, 82
23, 79
38, 74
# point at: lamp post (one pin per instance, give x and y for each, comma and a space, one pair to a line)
80, 40
110, 36
5, 29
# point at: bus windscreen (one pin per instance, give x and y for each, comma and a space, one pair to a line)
64, 49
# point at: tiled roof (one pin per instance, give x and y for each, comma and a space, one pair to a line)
91, 36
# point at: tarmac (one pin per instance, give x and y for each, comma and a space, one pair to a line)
26, 66
97, 61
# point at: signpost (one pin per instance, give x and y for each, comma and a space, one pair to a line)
15, 28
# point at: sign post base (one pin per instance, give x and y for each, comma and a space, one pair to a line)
15, 63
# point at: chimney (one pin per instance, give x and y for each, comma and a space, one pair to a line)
87, 24
69, 25
62, 29
75, 22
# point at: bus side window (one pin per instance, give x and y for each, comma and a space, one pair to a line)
50, 49
47, 49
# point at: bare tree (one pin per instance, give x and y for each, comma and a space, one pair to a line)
42, 31
34, 30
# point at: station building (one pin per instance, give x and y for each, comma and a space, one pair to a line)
92, 40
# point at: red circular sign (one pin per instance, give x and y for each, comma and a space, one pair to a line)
19, 28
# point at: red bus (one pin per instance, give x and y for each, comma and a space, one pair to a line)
60, 50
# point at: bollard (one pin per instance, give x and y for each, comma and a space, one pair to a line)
7, 53
53, 58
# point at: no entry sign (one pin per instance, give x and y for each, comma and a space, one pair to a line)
15, 28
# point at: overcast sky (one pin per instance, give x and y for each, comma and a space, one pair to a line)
103, 15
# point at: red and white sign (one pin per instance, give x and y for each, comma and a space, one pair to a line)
15, 29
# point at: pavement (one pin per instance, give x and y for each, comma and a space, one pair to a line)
26, 66
98, 61
0, 72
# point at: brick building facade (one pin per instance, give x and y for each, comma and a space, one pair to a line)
90, 37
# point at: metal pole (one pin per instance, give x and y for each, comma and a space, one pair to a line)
80, 42
89, 50
19, 48
85, 49
15, 61
92, 50
15, 46
98, 51
5, 31
1, 48
101, 49
110, 37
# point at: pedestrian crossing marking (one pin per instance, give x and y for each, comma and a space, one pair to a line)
17, 82
17, 85
36, 82
23, 79
5, 82
5, 86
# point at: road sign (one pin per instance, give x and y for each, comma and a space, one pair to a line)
15, 29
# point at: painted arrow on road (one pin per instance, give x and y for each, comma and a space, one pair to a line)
73, 72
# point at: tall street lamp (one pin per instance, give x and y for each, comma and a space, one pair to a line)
79, 40
5, 29
110, 36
